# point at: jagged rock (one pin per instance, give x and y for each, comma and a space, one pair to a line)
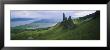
68, 22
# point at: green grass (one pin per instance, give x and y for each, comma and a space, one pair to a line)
89, 30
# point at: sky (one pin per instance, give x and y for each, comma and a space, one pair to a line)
49, 14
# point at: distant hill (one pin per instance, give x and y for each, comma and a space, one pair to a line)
46, 21
21, 19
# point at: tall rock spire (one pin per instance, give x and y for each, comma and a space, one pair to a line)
64, 18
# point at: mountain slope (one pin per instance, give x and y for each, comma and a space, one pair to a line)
89, 30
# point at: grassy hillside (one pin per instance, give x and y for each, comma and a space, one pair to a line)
88, 30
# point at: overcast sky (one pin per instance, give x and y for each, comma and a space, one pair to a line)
48, 14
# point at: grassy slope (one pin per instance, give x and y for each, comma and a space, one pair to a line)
87, 30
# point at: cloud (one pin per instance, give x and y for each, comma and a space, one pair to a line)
55, 14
